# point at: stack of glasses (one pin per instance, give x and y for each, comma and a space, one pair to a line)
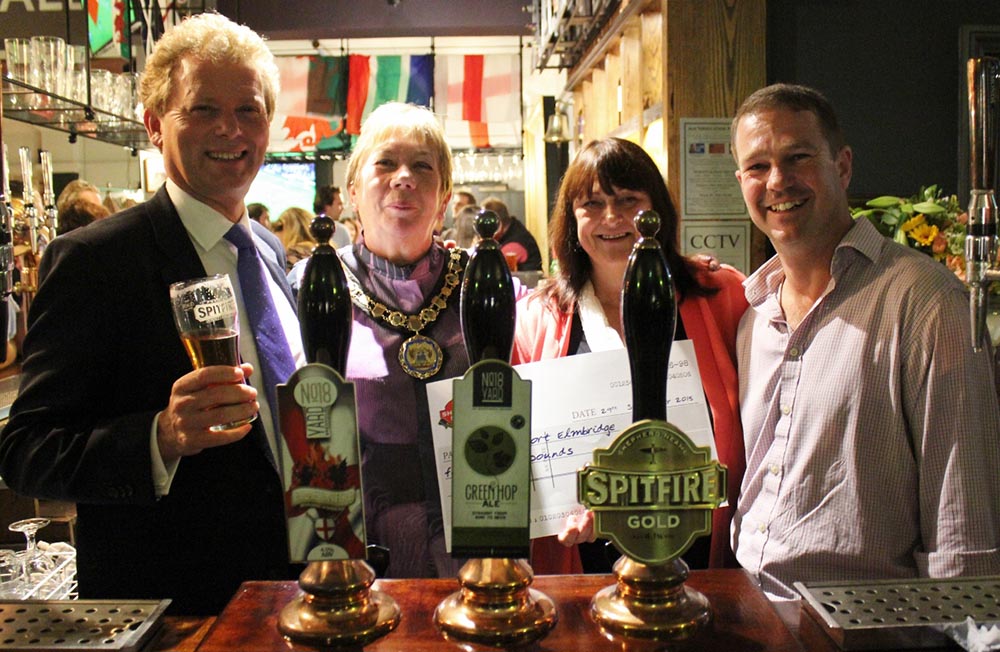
36, 574
60, 70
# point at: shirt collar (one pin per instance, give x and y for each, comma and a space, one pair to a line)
205, 224
396, 272
861, 242
764, 282
862, 238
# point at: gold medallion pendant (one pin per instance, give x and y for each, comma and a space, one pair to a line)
420, 356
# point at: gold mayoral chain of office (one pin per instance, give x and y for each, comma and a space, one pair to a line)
419, 356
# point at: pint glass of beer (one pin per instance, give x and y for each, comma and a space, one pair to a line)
206, 318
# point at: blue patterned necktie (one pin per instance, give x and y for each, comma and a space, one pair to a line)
273, 352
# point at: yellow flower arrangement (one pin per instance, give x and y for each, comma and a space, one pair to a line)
930, 222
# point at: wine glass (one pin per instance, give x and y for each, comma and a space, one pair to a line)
35, 565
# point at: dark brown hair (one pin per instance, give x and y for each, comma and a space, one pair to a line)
496, 205
325, 195
611, 162
795, 98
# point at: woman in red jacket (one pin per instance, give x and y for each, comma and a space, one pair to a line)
579, 310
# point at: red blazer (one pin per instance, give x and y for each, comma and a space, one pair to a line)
543, 333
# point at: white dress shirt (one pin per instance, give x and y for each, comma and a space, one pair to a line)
206, 227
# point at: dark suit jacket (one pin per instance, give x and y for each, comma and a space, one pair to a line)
100, 357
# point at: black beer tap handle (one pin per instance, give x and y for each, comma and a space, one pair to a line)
487, 301
649, 314
325, 312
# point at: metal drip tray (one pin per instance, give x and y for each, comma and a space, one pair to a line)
899, 613
78, 624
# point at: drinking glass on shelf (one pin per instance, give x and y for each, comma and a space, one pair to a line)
76, 73
35, 564
50, 54
20, 66
101, 89
207, 321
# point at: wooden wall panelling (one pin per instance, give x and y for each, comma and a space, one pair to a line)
714, 57
600, 103
652, 33
589, 119
632, 72
579, 119
612, 78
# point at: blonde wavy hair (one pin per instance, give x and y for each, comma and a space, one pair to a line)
209, 37
406, 122
295, 223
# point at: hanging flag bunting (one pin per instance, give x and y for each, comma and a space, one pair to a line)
375, 80
327, 86
478, 97
358, 80
309, 110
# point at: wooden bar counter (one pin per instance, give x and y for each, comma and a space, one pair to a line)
743, 619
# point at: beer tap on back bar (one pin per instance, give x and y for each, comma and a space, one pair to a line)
49, 195
5, 172
981, 240
6, 235
30, 213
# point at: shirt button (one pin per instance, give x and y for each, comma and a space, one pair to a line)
761, 527
786, 410
793, 352
774, 469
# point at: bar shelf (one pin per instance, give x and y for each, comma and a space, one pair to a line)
74, 118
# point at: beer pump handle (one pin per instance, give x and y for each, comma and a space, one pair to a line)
487, 302
983, 76
649, 315
6, 237
48, 193
5, 174
325, 313
27, 177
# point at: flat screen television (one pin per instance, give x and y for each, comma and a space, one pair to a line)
280, 185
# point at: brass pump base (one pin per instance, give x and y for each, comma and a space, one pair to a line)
650, 603
495, 607
337, 609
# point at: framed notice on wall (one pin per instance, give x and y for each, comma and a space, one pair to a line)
709, 190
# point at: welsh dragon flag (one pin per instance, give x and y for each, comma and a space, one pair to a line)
309, 111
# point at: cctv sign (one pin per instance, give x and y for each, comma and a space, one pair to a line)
727, 240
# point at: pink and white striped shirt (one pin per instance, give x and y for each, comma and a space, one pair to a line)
872, 430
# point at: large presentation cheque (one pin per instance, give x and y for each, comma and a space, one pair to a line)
578, 403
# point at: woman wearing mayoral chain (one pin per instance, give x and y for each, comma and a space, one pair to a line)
406, 328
